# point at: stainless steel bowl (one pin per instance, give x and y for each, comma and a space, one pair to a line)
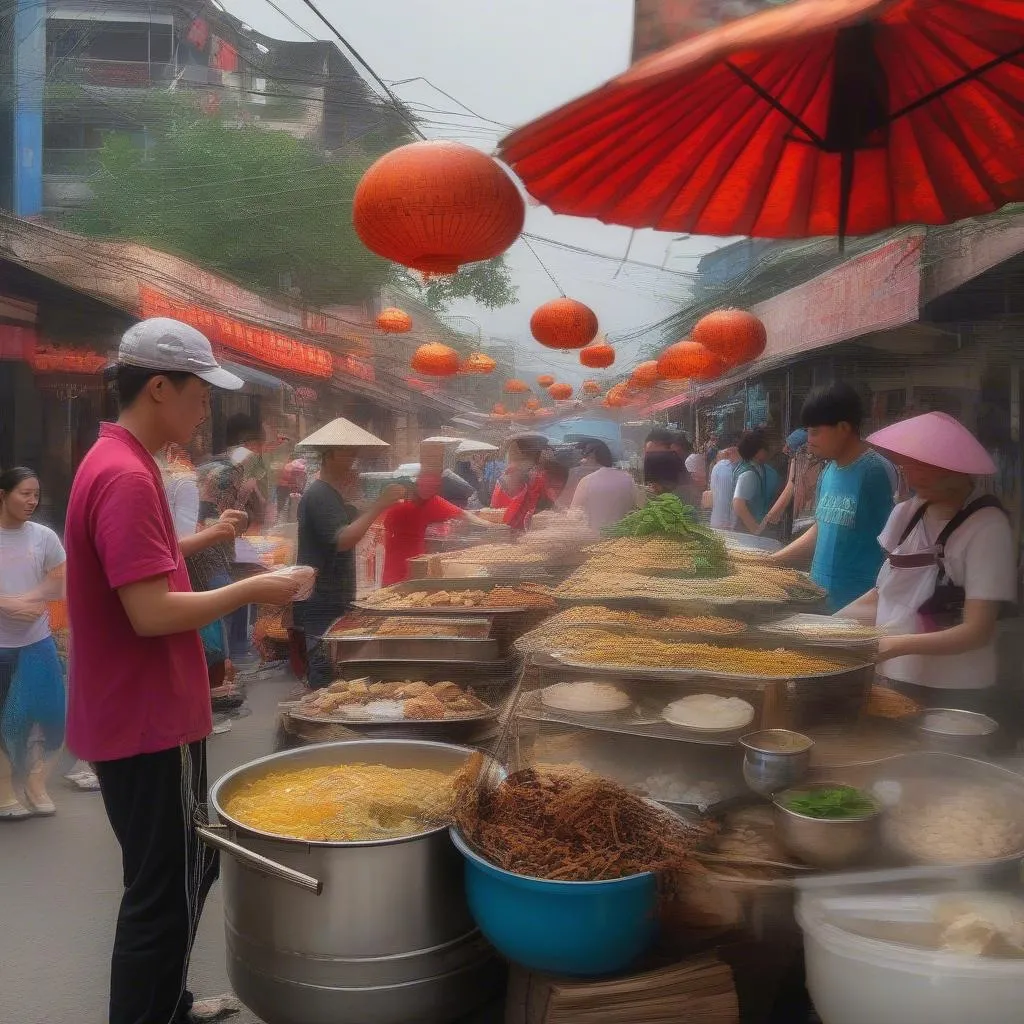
767, 768
973, 744
829, 843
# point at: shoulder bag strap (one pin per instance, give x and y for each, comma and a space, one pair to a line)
914, 520
985, 501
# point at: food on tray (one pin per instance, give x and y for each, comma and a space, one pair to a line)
671, 788
823, 627
958, 723
991, 924
526, 595
585, 697
886, 703
598, 615
960, 823
360, 700
658, 554
412, 628
345, 803
749, 834
496, 554
570, 825
832, 802
709, 712
598, 647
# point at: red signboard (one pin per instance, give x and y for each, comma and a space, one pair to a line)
267, 346
875, 291
351, 367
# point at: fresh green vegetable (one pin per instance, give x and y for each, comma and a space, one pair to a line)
832, 802
667, 516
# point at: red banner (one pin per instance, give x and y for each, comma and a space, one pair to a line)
260, 343
55, 359
352, 367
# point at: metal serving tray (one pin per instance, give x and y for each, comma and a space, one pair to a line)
433, 586
478, 628
415, 649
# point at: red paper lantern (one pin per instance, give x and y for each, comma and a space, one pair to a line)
516, 387
560, 392
533, 404
645, 374
564, 323
435, 205
598, 356
545, 380
617, 396
591, 387
477, 362
687, 360
394, 321
435, 360
498, 409
733, 335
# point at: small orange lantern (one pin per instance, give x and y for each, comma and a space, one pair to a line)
545, 380
686, 359
477, 362
394, 321
533, 403
617, 396
591, 387
498, 409
435, 205
564, 323
435, 360
645, 374
598, 356
560, 392
516, 387
733, 335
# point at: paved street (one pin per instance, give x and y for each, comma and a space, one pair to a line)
60, 882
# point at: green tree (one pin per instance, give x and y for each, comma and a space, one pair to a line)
256, 205
488, 283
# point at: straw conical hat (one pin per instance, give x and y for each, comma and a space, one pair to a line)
342, 433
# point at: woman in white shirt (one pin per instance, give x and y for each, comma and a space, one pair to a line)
605, 494
31, 678
951, 564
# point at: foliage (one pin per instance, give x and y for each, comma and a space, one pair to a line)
256, 205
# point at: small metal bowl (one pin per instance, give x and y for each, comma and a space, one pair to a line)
972, 744
828, 843
768, 766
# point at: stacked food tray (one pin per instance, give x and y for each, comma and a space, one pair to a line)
426, 638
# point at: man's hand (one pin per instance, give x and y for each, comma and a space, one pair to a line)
391, 495
236, 519
773, 517
274, 589
221, 533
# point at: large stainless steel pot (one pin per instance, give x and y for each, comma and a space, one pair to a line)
349, 933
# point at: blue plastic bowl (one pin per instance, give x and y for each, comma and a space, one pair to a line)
579, 928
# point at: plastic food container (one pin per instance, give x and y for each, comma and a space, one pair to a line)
853, 979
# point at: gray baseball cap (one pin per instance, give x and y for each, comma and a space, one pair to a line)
161, 343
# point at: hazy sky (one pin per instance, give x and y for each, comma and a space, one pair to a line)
511, 62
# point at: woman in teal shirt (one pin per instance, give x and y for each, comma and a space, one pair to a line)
855, 498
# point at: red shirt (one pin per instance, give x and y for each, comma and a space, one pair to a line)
405, 533
127, 694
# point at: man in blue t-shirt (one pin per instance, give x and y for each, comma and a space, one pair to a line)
855, 497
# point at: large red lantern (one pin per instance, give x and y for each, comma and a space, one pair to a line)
733, 335
590, 387
564, 323
516, 387
597, 356
394, 321
545, 380
560, 392
435, 360
686, 360
435, 205
477, 362
617, 396
645, 374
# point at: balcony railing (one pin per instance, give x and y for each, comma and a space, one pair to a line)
122, 74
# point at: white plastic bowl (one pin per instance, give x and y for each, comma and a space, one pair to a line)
857, 980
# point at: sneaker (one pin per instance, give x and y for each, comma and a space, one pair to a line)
222, 726
14, 811
215, 1008
83, 780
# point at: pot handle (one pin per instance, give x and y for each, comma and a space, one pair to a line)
257, 862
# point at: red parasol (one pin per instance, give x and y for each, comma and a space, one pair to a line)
820, 117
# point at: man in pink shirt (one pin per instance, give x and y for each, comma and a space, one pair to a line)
139, 700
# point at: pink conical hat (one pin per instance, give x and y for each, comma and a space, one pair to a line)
935, 439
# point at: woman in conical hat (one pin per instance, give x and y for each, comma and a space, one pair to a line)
950, 566
329, 530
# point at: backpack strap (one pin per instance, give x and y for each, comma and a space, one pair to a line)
985, 501
914, 520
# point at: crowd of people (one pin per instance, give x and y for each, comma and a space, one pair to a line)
148, 571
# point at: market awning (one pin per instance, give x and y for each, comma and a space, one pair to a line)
255, 377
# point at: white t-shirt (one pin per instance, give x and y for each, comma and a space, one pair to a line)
979, 557
27, 556
722, 487
183, 497
606, 495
